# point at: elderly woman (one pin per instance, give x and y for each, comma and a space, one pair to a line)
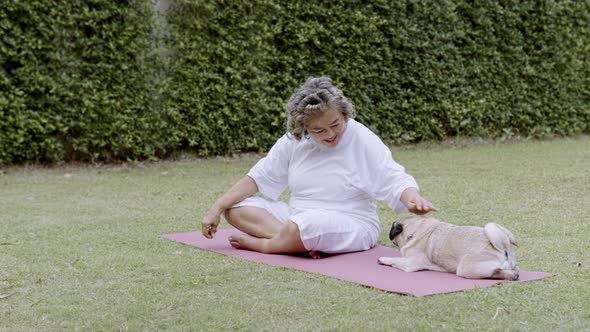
335, 168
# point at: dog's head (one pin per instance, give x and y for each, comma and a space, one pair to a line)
405, 230
396, 229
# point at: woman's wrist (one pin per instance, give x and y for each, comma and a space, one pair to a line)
408, 194
216, 210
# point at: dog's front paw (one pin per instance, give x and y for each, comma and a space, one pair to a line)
385, 260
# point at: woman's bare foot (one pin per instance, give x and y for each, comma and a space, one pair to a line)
315, 254
246, 242
287, 241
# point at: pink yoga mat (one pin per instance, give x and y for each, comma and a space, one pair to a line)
358, 267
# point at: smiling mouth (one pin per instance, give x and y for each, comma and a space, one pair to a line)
332, 140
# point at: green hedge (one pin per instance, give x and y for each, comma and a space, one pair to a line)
416, 70
76, 82
81, 82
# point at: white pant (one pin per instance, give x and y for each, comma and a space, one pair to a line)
322, 230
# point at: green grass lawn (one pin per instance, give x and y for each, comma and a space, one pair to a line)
80, 248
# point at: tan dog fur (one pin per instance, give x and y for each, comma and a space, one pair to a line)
469, 251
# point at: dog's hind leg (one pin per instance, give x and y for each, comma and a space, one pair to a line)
481, 267
505, 274
483, 271
476, 270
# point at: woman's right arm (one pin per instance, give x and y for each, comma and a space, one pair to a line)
244, 188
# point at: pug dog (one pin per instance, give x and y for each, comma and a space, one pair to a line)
470, 252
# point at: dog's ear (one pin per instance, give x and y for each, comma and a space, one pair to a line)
396, 228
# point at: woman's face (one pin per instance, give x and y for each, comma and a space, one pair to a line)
326, 128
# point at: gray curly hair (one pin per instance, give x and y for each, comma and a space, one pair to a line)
316, 95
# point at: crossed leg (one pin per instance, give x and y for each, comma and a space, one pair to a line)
264, 233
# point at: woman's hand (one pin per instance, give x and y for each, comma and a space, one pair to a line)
416, 203
246, 187
209, 224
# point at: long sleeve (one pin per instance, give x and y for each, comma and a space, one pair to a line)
271, 172
384, 179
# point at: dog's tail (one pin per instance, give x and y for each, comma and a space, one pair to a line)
501, 239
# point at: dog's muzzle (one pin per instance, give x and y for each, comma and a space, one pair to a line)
396, 229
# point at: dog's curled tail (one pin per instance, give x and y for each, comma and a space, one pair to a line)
501, 238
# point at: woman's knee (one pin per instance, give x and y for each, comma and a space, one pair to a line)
232, 215
290, 237
245, 214
291, 229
